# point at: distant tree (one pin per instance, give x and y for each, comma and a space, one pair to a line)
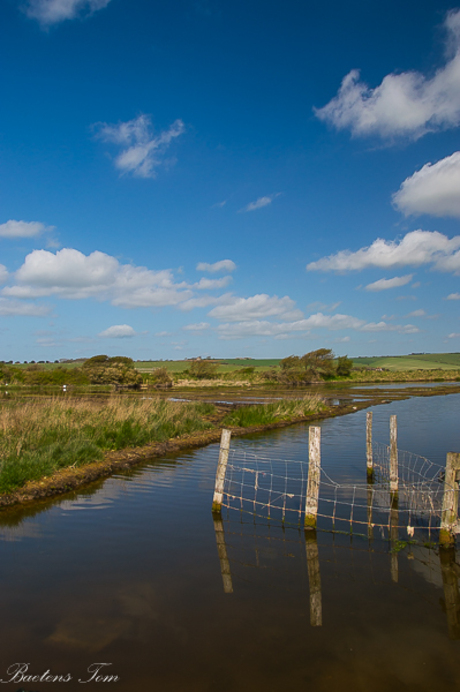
344, 366
203, 369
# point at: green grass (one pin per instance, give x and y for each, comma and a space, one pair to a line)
39, 437
226, 365
428, 361
274, 412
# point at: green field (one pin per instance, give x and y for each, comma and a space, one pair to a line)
416, 361
225, 364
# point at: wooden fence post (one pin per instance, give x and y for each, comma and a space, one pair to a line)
450, 500
394, 474
370, 458
314, 472
221, 469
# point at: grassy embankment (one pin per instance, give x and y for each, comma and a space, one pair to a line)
41, 437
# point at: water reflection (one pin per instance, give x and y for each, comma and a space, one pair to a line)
271, 547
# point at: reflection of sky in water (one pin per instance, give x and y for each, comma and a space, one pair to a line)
128, 571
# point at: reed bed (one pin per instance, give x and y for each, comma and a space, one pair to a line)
274, 412
39, 437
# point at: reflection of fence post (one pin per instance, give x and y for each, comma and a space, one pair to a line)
221, 469
394, 475
223, 557
370, 458
450, 500
394, 538
314, 579
370, 501
451, 593
314, 471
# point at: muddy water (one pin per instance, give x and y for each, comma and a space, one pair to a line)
128, 573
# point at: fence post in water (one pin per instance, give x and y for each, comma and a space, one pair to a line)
370, 458
451, 592
394, 475
450, 500
314, 472
221, 469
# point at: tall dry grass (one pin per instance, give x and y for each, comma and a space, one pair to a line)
38, 437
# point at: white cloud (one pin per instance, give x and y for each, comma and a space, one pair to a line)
434, 189
453, 296
261, 202
118, 331
142, 152
416, 248
406, 104
222, 266
264, 328
22, 229
454, 335
198, 327
209, 284
256, 307
73, 275
49, 12
384, 284
3, 274
17, 307
417, 313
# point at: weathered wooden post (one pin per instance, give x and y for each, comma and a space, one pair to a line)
394, 474
221, 469
223, 557
451, 593
314, 579
314, 472
449, 517
370, 458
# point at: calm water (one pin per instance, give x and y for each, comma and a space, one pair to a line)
128, 573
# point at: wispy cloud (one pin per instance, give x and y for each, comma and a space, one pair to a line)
142, 152
434, 189
260, 203
48, 12
256, 307
416, 248
223, 265
385, 284
211, 284
406, 104
118, 331
9, 308
198, 327
453, 296
23, 229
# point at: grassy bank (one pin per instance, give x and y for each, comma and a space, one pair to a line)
267, 414
38, 438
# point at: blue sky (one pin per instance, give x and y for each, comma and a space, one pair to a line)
205, 177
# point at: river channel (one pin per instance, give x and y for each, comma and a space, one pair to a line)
128, 572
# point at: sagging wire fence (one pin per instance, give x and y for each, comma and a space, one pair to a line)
404, 491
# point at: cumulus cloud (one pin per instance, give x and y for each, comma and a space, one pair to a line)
198, 327
384, 284
22, 229
118, 331
222, 266
453, 296
9, 308
256, 307
261, 202
142, 152
265, 328
209, 284
49, 12
406, 104
434, 189
416, 248
73, 275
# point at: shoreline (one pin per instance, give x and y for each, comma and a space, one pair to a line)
71, 479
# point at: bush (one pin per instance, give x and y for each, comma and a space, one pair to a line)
202, 369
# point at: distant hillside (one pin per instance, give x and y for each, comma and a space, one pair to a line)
416, 361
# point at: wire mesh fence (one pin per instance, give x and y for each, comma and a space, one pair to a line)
275, 489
